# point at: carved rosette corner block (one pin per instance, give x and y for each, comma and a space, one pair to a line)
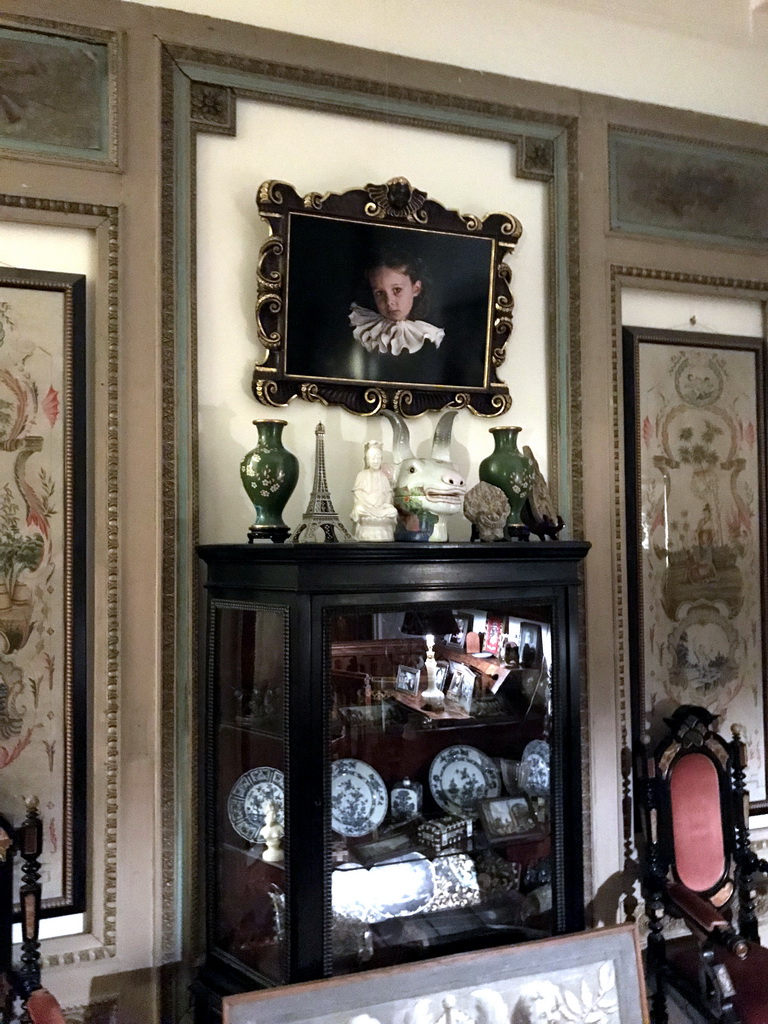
535, 158
213, 108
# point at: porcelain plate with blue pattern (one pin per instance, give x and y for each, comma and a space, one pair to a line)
460, 777
245, 805
359, 797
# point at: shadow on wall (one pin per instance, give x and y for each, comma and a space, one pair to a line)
615, 900
130, 997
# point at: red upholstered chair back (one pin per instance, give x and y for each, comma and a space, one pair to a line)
697, 829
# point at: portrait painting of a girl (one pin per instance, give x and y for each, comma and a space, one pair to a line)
399, 287
369, 302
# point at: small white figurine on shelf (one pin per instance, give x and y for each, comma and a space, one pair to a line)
433, 696
373, 513
271, 834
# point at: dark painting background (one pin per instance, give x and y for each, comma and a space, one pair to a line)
326, 259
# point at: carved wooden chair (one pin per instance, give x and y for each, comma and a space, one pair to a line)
22, 983
698, 866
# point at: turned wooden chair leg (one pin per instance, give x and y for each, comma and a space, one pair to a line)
29, 840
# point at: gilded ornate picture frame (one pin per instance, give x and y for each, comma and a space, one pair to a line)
43, 568
381, 297
694, 423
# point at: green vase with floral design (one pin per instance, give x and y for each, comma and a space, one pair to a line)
510, 470
269, 473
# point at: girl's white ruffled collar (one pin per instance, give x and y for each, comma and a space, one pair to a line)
378, 334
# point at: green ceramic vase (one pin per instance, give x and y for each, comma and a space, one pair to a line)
508, 469
269, 474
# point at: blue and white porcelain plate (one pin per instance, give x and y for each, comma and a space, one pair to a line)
358, 797
245, 804
460, 777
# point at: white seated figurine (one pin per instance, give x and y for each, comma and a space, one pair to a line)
271, 834
373, 513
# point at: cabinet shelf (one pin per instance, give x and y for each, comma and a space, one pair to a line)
253, 729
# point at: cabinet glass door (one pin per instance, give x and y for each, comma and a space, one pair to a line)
249, 675
440, 778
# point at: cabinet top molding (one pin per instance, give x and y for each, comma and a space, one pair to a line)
360, 568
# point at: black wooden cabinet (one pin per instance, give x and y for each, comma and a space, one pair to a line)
409, 830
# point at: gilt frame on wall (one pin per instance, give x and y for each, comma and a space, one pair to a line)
695, 436
333, 335
43, 568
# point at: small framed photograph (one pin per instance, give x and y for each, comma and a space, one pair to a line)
530, 644
508, 817
464, 624
454, 682
462, 688
380, 715
494, 630
407, 680
441, 674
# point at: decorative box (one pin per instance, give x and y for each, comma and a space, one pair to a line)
443, 834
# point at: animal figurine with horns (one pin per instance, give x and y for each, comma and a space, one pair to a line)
426, 490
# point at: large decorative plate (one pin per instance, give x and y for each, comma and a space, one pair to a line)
245, 805
358, 797
460, 777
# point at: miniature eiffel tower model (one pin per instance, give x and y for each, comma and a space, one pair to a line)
320, 512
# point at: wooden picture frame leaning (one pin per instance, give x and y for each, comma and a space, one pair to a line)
595, 976
380, 297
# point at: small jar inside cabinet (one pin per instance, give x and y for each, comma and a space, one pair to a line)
392, 755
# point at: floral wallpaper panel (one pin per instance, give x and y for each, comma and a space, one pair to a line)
700, 539
33, 517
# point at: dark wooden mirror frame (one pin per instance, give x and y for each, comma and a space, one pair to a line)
312, 267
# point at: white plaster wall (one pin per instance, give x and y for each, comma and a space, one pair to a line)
540, 41
39, 247
672, 311
316, 151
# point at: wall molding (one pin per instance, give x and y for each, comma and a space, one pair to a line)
197, 87
103, 221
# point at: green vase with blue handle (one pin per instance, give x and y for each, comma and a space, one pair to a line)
269, 474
